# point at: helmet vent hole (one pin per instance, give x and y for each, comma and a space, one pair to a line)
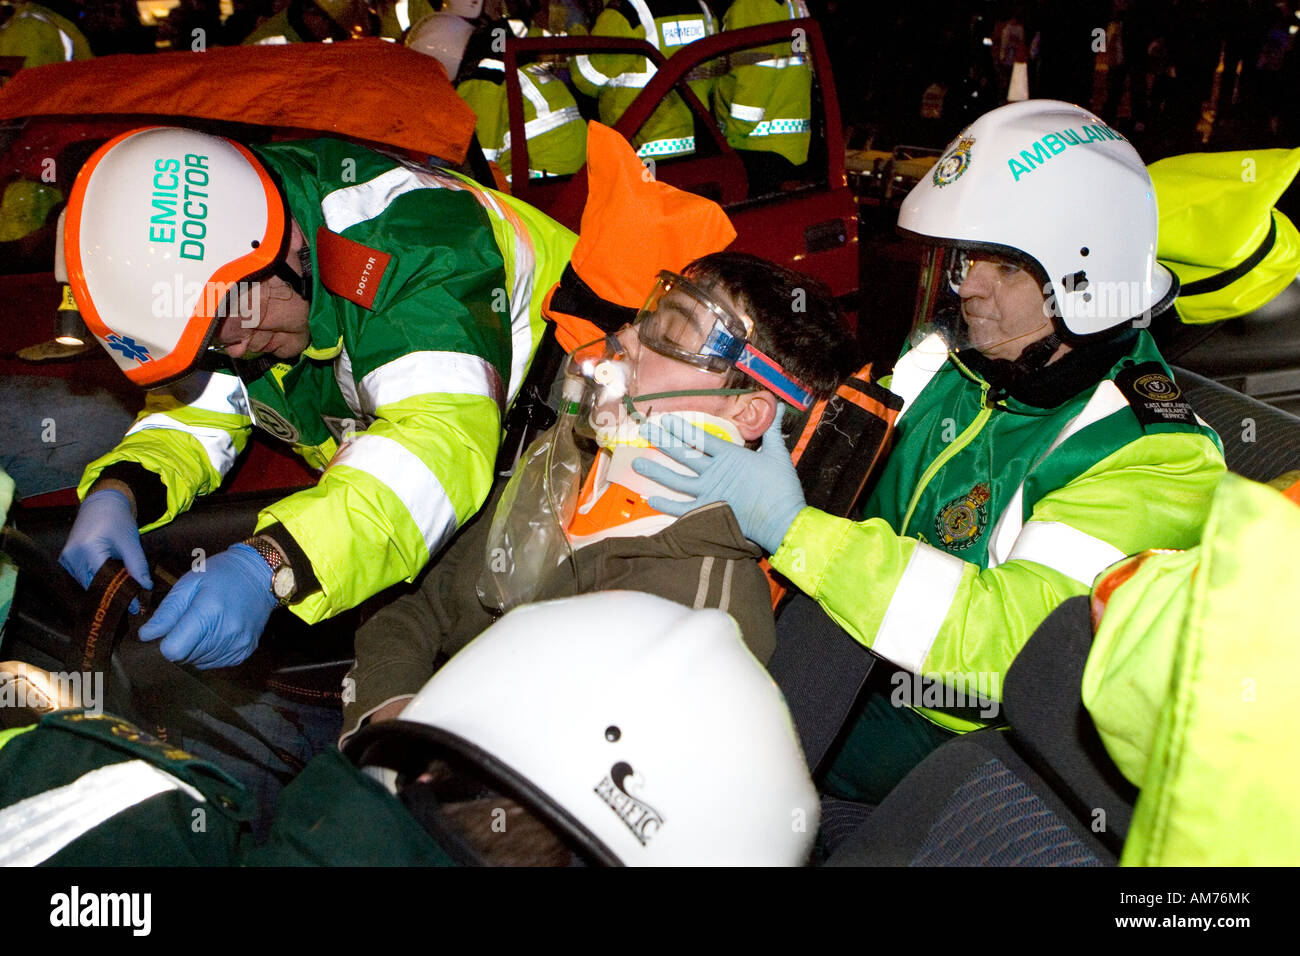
1083, 251
612, 733
1075, 283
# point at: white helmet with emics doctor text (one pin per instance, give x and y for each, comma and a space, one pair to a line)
161, 225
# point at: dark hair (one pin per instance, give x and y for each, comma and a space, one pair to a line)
796, 321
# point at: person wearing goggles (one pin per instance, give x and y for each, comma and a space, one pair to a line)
1042, 436
720, 345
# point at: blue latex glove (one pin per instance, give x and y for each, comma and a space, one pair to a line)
761, 486
104, 529
214, 617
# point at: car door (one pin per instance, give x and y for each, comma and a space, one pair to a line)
807, 220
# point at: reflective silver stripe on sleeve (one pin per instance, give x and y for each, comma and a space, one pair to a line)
209, 392
748, 114
632, 81
35, 829
424, 373
545, 123
400, 470
217, 444
1068, 550
918, 608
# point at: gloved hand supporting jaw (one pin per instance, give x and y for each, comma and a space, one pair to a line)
105, 528
215, 617
761, 486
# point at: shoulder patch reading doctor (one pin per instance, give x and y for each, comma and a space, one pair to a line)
350, 269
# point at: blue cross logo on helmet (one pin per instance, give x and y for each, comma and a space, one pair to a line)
129, 347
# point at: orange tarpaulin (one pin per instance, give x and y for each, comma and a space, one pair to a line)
364, 89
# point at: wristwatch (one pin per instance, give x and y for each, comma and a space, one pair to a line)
283, 584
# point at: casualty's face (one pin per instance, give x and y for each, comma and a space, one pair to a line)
657, 373
1003, 306
271, 321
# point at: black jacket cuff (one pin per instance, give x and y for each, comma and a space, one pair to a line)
303, 574
146, 487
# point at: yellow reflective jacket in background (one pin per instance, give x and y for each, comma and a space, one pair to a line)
764, 103
41, 36
1219, 233
1191, 685
616, 79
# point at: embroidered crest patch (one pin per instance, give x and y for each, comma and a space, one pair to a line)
957, 161
961, 521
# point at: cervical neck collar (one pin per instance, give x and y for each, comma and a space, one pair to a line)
613, 502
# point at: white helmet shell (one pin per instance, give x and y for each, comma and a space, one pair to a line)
443, 37
469, 9
161, 223
645, 729
1052, 181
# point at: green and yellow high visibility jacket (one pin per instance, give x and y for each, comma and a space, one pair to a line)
419, 343
398, 16
991, 511
41, 36
1220, 233
616, 79
765, 100
80, 789
1190, 683
555, 130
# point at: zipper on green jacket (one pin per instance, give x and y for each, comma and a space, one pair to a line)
960, 442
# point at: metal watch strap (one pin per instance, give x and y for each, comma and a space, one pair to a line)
269, 552
282, 590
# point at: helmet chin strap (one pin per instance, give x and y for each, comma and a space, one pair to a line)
300, 283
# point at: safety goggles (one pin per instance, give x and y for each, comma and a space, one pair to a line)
684, 322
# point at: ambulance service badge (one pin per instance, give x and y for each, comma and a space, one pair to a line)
955, 162
961, 521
